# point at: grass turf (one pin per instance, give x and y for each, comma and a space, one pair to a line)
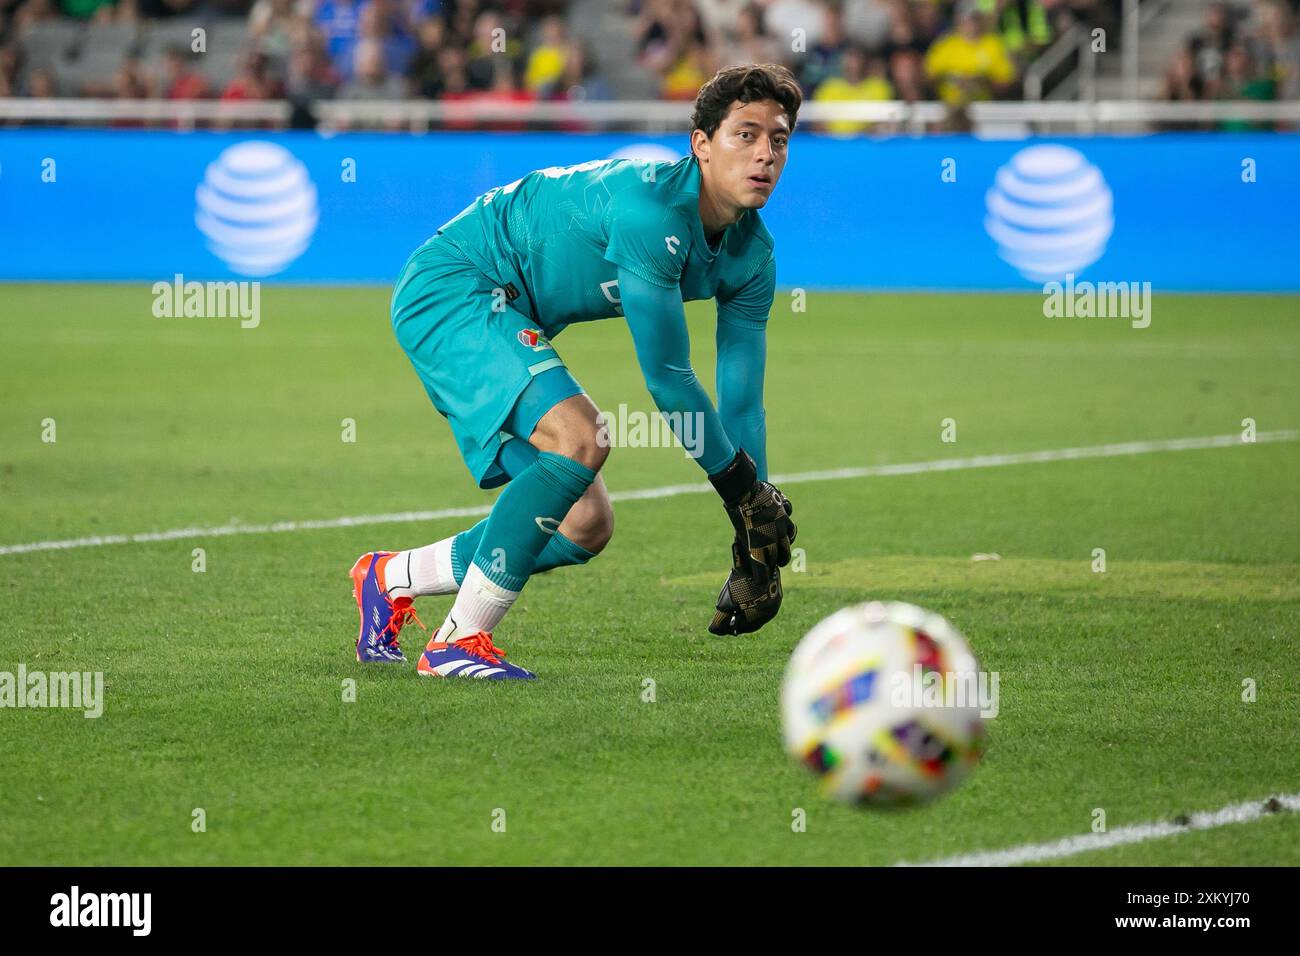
1120, 690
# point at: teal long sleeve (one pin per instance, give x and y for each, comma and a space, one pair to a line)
663, 349
742, 356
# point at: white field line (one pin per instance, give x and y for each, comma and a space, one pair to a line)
669, 491
1138, 833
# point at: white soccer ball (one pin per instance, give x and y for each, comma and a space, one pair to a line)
884, 702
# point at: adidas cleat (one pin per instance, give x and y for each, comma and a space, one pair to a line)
382, 617
473, 656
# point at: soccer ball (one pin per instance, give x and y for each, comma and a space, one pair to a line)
883, 702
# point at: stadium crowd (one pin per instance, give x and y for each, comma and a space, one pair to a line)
1241, 52
953, 50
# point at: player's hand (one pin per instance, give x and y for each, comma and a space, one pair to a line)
758, 511
750, 597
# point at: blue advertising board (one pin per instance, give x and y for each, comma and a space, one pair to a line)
1193, 212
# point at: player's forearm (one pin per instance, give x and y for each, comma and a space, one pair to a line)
658, 325
749, 431
742, 359
686, 406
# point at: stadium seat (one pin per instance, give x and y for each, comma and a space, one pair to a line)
227, 43
97, 56
46, 42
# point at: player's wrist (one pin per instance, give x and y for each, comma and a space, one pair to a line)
737, 480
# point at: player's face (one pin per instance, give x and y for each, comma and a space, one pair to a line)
744, 158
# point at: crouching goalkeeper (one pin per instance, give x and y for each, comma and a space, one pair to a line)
476, 309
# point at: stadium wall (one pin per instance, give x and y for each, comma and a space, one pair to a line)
1187, 212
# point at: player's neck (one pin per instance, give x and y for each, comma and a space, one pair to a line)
715, 216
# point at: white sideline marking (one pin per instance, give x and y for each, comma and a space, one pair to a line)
671, 491
1138, 833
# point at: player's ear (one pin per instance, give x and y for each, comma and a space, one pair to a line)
700, 145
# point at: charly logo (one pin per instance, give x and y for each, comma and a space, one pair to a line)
1050, 212
257, 208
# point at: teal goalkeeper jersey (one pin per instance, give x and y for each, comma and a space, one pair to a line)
562, 234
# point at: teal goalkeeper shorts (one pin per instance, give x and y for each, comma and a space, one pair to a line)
487, 368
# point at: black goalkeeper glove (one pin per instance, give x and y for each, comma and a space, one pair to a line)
760, 514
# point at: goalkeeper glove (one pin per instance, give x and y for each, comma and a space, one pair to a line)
760, 514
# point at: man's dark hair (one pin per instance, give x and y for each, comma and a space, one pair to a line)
746, 84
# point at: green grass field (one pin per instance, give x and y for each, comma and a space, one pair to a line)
1121, 691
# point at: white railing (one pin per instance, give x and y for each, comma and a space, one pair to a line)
1072, 40
643, 116
183, 113
1134, 15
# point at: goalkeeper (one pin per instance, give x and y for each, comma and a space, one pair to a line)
475, 309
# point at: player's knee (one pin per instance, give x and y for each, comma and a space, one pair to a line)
584, 446
572, 429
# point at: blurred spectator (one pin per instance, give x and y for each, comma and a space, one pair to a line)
504, 90
673, 46
493, 48
547, 61
927, 21
425, 71
271, 25
970, 63
1182, 82
254, 80
1212, 41
9, 63
453, 65
310, 74
580, 82
41, 84
130, 81
34, 11
902, 37
384, 22
1276, 42
1242, 81
868, 22
861, 78
338, 20
823, 57
86, 9
161, 9
908, 75
179, 81
748, 42
1024, 25
785, 17
370, 77
719, 18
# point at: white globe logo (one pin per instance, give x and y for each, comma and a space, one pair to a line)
257, 208
1050, 212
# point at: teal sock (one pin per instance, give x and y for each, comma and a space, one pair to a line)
463, 548
560, 552
527, 516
